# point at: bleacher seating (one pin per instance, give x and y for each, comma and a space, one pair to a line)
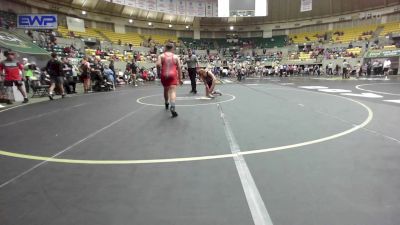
390, 28
389, 47
200, 44
127, 38
259, 42
162, 39
89, 33
60, 51
127, 56
306, 37
353, 34
355, 51
8, 18
305, 56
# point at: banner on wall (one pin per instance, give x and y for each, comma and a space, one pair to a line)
215, 9
200, 8
181, 7
306, 5
141, 4
191, 8
152, 5
121, 2
209, 9
75, 24
167, 6
131, 3
162, 5
171, 6
383, 54
37, 21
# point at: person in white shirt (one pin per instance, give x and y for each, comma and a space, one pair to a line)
358, 69
330, 69
155, 72
345, 68
386, 67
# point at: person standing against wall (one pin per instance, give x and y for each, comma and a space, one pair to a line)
192, 65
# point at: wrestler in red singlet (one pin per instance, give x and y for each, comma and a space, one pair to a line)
169, 73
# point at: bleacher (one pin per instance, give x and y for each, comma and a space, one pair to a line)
60, 51
162, 39
259, 42
127, 38
117, 54
222, 43
390, 28
89, 33
353, 34
7, 17
305, 56
306, 37
355, 51
197, 44
389, 47
200, 44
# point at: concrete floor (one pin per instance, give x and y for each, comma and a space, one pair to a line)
130, 163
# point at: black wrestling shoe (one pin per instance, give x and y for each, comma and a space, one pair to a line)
174, 113
26, 100
51, 96
166, 106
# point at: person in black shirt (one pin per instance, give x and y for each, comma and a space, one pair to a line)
55, 69
134, 66
192, 65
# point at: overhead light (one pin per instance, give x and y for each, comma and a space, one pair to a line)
150, 23
84, 12
187, 27
231, 28
130, 20
170, 25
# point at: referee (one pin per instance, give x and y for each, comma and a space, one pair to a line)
192, 64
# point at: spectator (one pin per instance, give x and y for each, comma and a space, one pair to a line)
69, 77
11, 70
55, 69
27, 74
112, 68
85, 74
109, 74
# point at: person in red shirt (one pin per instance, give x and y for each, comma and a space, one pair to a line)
171, 75
11, 70
145, 75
